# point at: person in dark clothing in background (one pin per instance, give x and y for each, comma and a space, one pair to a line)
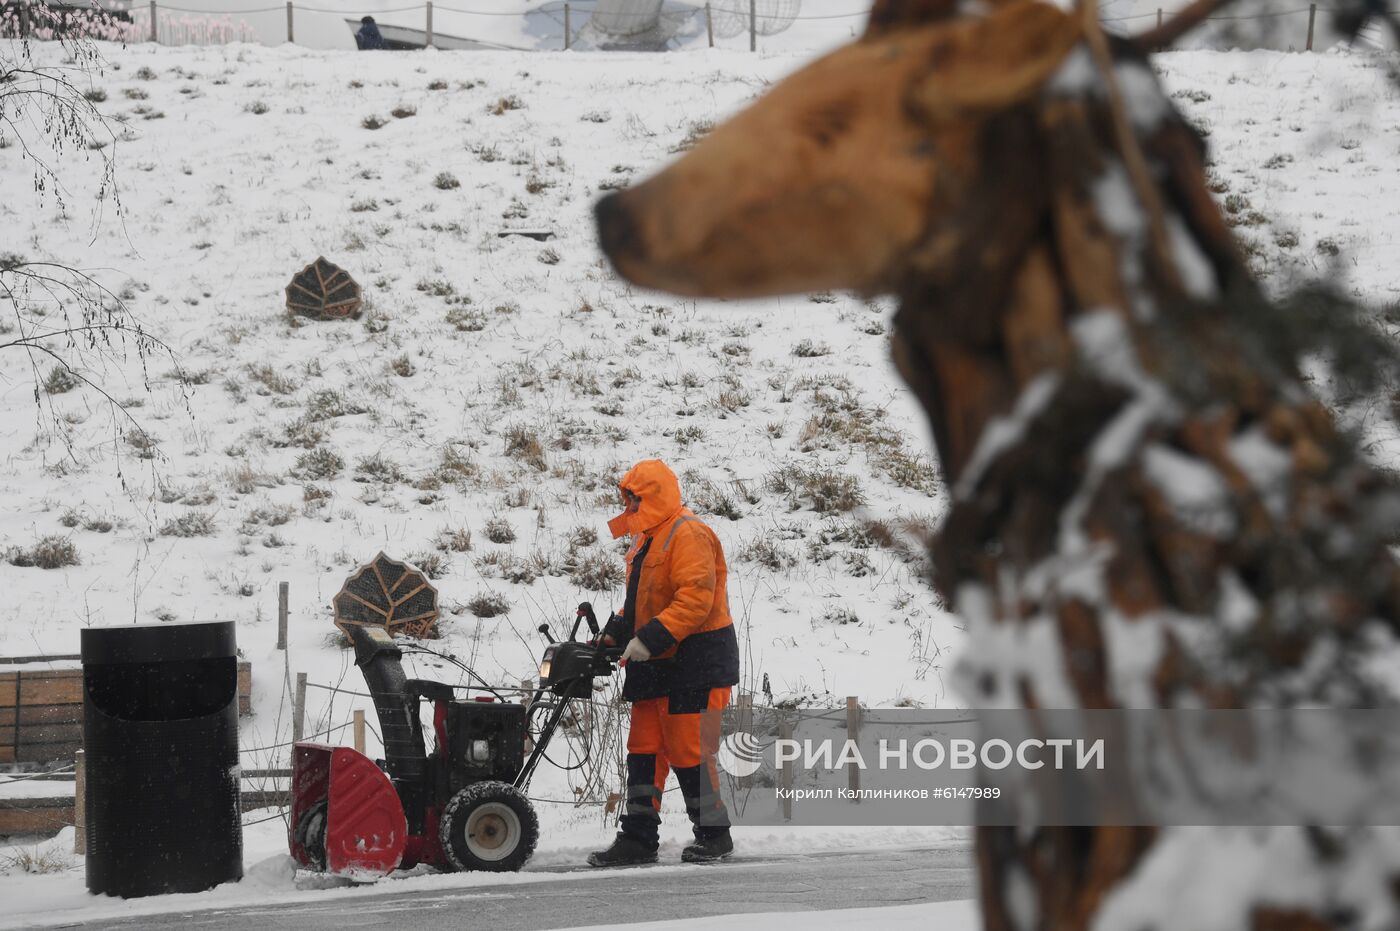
368, 36
682, 661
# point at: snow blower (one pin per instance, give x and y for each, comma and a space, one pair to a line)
461, 807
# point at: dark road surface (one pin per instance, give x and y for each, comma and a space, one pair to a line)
751, 884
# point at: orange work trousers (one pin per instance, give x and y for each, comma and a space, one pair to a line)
679, 733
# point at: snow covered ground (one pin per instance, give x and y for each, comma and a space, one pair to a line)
476, 419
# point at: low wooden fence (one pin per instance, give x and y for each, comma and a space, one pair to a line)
47, 815
41, 721
41, 711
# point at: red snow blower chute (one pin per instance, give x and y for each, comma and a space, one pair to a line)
462, 807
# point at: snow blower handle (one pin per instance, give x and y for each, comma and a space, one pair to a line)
585, 612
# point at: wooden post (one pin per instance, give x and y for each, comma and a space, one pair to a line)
785, 772
429, 5
568, 29
79, 802
359, 731
1159, 17
289, 21
1312, 18
282, 588
753, 25
19, 692
710, 25
745, 724
299, 708
853, 734
155, 35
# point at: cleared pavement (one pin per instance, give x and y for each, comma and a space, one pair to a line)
751, 884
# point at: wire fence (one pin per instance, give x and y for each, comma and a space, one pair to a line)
280, 746
45, 775
173, 24
155, 21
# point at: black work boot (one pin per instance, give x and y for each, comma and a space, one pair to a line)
708, 847
625, 851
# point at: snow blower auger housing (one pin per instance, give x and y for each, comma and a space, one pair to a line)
462, 807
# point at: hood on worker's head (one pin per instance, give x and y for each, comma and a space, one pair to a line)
654, 482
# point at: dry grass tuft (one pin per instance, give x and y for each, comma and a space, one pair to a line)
193, 524
524, 444
488, 604
52, 552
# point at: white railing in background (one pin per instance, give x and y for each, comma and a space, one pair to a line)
156, 21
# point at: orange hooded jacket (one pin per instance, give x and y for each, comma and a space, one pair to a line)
677, 602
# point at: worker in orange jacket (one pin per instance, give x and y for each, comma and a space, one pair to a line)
681, 660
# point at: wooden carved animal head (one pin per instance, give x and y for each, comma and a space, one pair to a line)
827, 182
913, 158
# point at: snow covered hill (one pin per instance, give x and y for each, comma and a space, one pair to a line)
477, 417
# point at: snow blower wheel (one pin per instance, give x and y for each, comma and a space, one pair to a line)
489, 826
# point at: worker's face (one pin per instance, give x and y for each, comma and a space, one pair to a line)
630, 502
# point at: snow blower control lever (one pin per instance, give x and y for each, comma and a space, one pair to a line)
464, 805
567, 671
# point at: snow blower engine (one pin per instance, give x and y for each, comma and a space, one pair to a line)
462, 807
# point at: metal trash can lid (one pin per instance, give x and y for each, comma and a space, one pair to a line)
159, 643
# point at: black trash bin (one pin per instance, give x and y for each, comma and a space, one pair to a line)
160, 728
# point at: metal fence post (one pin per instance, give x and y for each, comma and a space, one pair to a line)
289, 21
753, 25
1159, 17
155, 35
568, 29
710, 25
1312, 18
429, 43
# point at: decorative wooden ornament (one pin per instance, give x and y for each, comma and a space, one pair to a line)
391, 595
324, 291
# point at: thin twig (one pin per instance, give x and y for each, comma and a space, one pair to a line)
1133, 159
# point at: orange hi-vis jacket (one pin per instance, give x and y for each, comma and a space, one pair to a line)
677, 604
